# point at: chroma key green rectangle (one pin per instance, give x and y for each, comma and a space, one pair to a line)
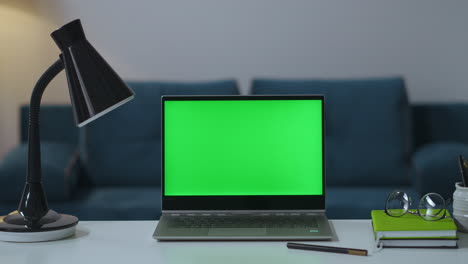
243, 147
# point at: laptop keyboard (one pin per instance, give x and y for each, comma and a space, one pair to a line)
235, 221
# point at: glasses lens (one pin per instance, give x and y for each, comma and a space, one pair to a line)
432, 207
398, 204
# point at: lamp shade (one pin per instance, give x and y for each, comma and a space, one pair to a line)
95, 88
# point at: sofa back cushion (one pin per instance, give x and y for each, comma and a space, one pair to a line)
124, 146
57, 124
368, 133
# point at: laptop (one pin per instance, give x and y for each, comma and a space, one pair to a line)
243, 168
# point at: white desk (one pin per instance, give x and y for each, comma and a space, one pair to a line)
131, 242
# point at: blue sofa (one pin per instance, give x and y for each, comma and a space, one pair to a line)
376, 142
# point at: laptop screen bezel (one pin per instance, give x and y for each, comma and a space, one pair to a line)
242, 202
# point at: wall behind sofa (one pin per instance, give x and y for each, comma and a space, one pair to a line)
423, 40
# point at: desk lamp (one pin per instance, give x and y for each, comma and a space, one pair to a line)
95, 89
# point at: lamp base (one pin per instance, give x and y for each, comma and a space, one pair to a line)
53, 226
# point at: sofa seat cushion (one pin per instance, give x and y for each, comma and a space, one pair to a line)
368, 135
124, 147
114, 203
59, 171
357, 202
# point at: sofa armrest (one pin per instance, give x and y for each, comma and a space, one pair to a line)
437, 167
59, 171
440, 123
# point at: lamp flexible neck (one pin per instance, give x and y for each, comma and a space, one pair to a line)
34, 152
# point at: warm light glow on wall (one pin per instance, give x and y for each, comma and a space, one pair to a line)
26, 50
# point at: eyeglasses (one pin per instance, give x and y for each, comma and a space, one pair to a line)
431, 207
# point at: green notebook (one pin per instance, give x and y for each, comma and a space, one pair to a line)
411, 226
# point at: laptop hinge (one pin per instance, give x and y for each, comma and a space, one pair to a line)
241, 212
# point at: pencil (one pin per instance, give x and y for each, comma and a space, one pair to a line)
350, 251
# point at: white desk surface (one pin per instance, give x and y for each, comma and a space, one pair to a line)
131, 242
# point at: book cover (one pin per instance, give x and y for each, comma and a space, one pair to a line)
411, 226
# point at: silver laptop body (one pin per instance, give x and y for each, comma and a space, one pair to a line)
197, 216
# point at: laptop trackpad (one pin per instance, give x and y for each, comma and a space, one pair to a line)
236, 231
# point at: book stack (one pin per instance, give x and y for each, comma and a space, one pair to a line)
412, 231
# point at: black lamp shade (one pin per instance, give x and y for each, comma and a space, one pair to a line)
95, 88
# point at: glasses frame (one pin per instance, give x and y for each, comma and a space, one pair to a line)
445, 204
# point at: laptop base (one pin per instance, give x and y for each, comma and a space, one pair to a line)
284, 227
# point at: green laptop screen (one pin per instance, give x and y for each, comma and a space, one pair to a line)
243, 147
